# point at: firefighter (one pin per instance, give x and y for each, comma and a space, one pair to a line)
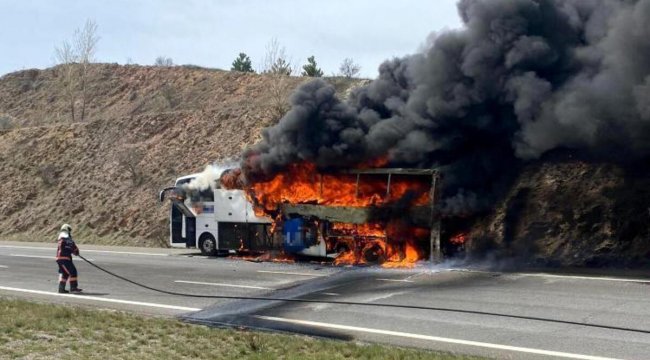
64, 252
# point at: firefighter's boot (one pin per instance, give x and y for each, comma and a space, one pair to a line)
74, 288
62, 289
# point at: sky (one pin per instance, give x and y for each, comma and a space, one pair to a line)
212, 33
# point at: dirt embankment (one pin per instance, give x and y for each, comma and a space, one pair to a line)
166, 121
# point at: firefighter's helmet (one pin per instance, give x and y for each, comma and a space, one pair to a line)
67, 228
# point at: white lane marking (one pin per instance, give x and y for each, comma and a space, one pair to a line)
331, 294
435, 338
95, 298
396, 280
4, 267
85, 250
224, 285
289, 273
559, 276
585, 277
39, 257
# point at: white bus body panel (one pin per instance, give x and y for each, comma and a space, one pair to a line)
232, 206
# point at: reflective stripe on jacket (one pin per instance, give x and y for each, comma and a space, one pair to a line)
66, 247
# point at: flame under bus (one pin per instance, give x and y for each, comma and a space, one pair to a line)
388, 229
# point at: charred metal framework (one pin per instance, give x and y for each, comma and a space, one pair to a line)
425, 216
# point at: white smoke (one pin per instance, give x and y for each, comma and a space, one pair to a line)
210, 176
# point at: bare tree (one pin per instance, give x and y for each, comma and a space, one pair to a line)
163, 61
67, 58
75, 58
275, 60
85, 43
279, 90
129, 160
349, 68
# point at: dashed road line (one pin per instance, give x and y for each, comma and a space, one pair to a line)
100, 299
289, 273
223, 285
4, 267
557, 354
331, 294
396, 280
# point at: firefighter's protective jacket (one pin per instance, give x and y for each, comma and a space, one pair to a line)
66, 247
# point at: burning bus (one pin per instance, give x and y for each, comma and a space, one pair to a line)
358, 216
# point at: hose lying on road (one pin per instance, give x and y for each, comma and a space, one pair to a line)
337, 302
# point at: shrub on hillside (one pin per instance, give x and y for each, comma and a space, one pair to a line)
6, 123
48, 174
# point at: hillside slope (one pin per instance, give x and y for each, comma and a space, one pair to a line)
175, 119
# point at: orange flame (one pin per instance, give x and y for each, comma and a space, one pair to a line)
301, 183
458, 239
392, 244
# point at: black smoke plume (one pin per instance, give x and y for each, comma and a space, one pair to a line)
521, 78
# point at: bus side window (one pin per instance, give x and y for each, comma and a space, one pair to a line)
207, 195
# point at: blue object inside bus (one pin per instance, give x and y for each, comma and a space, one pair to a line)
297, 236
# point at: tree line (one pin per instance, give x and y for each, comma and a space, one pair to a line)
276, 62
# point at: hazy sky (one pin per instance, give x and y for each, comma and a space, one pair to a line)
212, 33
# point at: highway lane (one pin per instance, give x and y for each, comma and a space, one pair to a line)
509, 302
503, 333
32, 267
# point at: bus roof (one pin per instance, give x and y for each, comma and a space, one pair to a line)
186, 177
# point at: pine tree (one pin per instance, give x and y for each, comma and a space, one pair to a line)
242, 63
280, 67
311, 69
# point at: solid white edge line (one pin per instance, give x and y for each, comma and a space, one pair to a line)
95, 298
435, 338
39, 257
85, 250
579, 277
224, 285
289, 273
558, 276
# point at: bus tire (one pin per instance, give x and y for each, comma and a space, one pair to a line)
207, 244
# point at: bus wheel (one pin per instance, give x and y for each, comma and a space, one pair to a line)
208, 245
374, 254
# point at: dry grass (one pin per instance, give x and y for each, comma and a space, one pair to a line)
38, 331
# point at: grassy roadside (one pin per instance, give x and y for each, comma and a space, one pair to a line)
39, 331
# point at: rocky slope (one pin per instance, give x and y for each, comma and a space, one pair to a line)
564, 211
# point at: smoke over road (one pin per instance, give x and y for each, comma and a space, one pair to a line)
522, 77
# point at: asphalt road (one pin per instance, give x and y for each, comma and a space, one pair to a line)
500, 315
